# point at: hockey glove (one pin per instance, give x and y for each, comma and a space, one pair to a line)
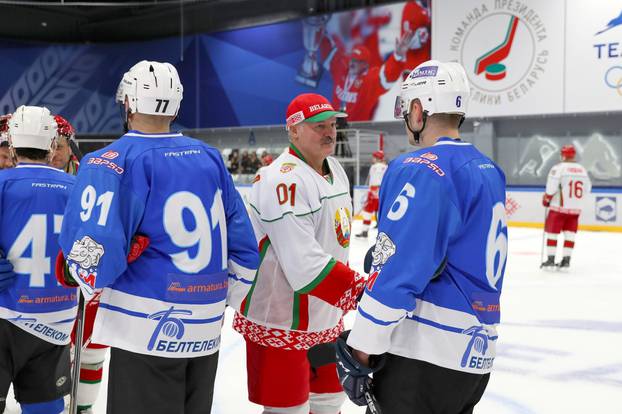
7, 275
62, 272
138, 246
354, 377
546, 200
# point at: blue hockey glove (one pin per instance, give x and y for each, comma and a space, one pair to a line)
7, 275
354, 376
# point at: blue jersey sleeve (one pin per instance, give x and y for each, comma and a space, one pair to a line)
101, 217
417, 220
243, 254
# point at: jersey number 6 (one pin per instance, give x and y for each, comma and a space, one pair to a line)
497, 245
400, 205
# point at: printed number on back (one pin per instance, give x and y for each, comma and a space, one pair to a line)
201, 234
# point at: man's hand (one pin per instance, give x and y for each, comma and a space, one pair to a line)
7, 275
546, 200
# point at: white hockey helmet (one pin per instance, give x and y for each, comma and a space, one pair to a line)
151, 88
32, 127
441, 87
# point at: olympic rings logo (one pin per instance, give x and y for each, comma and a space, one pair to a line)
613, 78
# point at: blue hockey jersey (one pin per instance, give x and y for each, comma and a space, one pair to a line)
202, 253
32, 201
439, 260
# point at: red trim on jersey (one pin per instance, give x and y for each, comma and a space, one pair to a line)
332, 286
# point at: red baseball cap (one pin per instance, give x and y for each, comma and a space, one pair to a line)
310, 107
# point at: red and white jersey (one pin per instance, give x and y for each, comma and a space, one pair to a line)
376, 172
569, 184
302, 221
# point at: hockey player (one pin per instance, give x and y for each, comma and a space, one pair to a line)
567, 186
36, 315
6, 159
162, 313
376, 172
64, 159
301, 214
93, 355
357, 84
431, 305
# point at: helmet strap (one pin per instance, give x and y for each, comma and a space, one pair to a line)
461, 121
124, 118
416, 134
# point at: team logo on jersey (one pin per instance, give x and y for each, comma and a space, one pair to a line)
343, 226
429, 156
168, 325
110, 155
287, 167
383, 250
83, 258
479, 343
86, 252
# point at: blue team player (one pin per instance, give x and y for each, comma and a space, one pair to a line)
162, 313
431, 306
36, 314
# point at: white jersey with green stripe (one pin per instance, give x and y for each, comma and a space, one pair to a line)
302, 221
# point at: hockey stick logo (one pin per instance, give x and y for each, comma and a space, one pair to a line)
490, 62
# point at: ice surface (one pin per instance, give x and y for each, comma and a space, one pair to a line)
560, 340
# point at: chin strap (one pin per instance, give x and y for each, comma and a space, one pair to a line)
416, 134
124, 118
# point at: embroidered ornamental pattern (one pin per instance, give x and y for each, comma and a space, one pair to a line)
284, 339
348, 300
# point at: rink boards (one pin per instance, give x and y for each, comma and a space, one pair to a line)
602, 209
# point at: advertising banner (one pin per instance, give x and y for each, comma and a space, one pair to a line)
601, 209
593, 56
240, 77
512, 51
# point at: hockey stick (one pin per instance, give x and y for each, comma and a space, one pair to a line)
77, 350
543, 244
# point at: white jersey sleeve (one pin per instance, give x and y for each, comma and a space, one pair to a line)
376, 172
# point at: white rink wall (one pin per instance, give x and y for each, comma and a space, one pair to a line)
602, 208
